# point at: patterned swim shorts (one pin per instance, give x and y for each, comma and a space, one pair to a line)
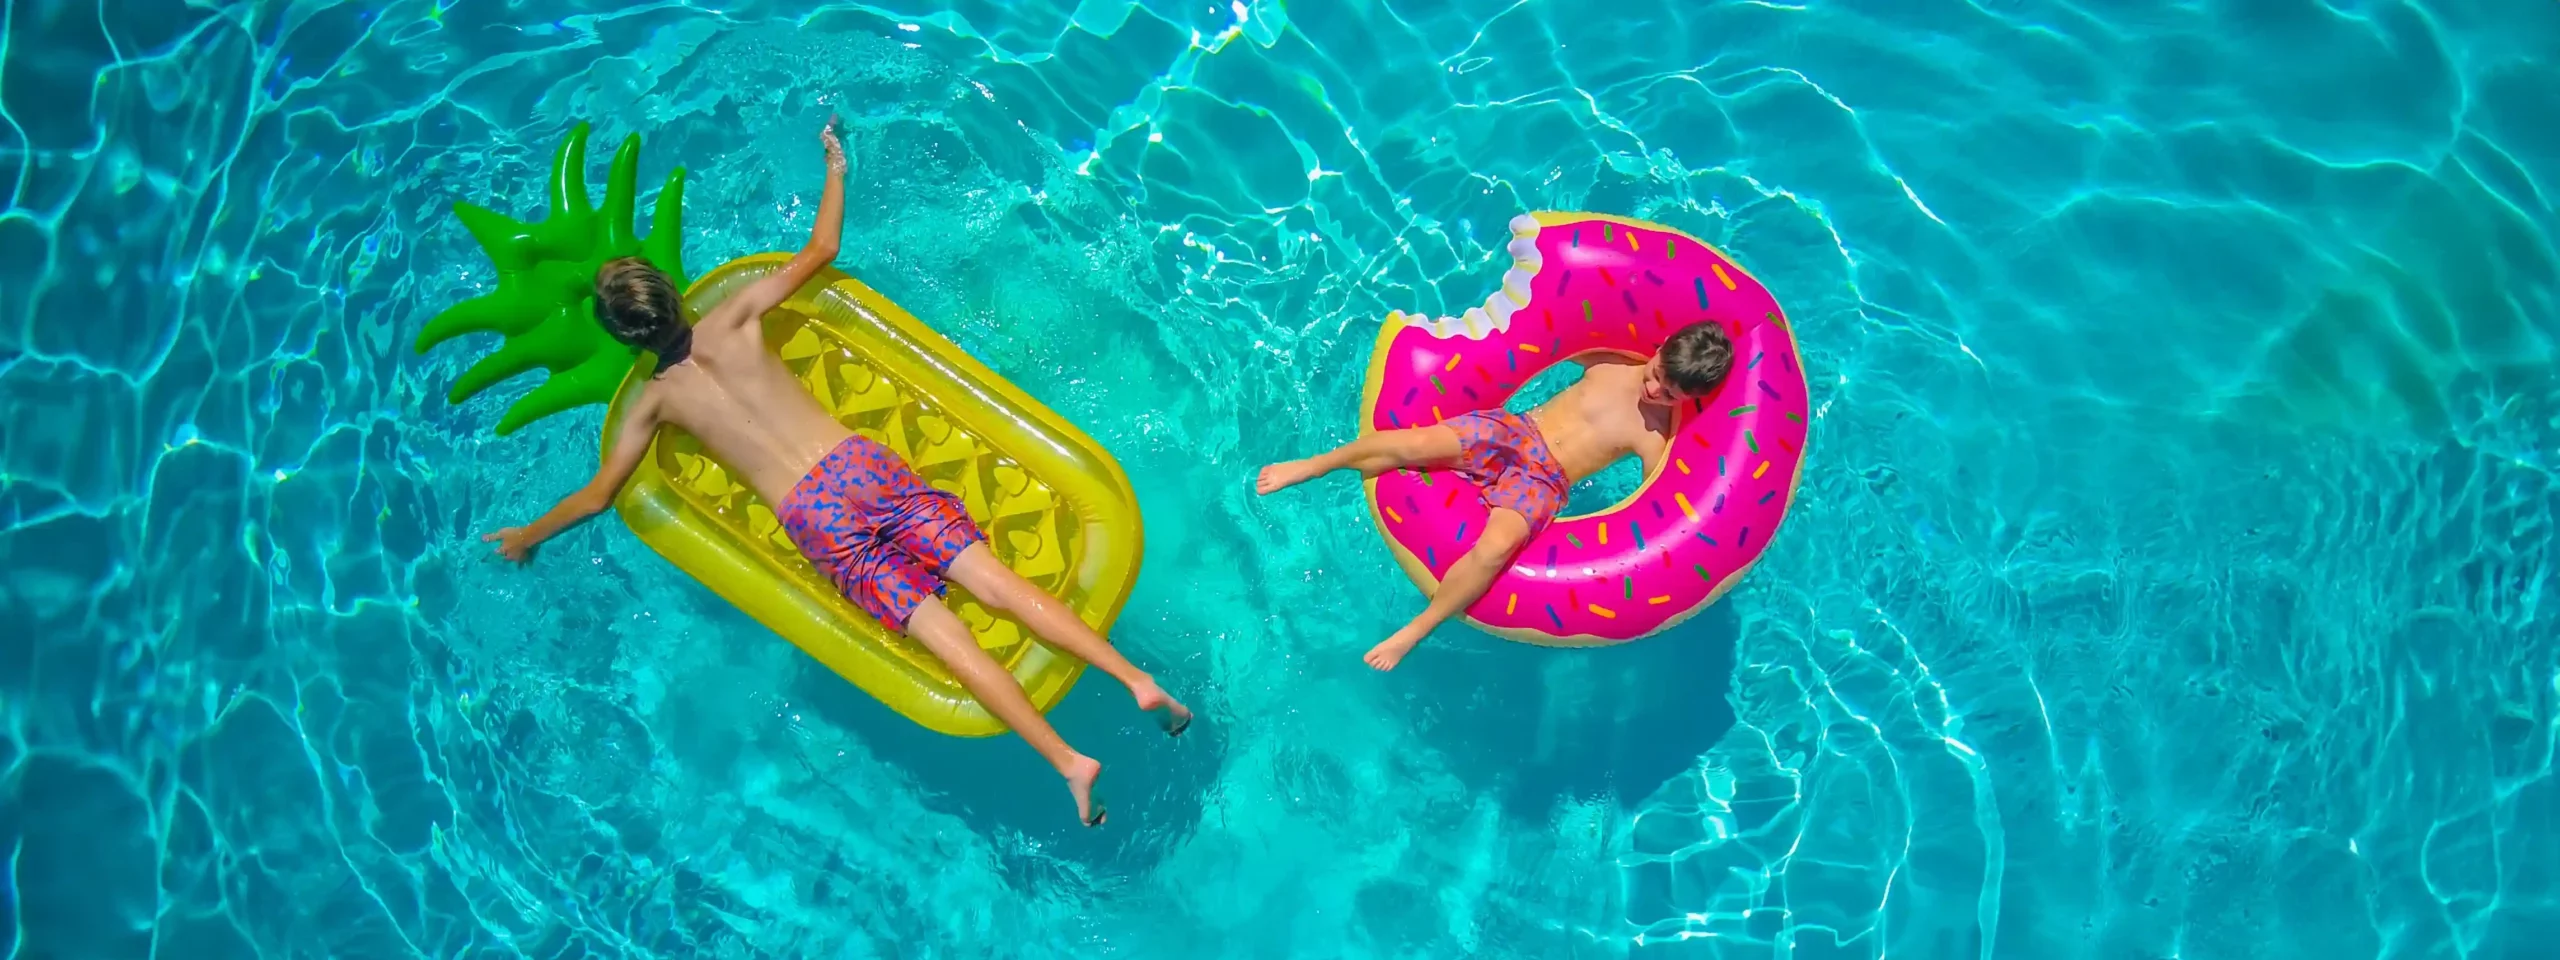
1503, 453
876, 529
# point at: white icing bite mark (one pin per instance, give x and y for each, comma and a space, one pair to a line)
1494, 317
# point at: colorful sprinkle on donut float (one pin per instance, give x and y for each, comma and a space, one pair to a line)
1579, 283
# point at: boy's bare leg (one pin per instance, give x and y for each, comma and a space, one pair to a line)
942, 632
978, 571
1504, 531
1371, 455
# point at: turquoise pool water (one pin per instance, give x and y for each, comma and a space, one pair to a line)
2173, 578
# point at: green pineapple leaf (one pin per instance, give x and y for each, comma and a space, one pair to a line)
544, 304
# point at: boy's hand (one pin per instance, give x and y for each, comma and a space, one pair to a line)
835, 149
514, 543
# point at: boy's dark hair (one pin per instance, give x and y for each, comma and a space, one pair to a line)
638, 305
1696, 359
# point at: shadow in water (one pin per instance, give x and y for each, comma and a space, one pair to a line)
1531, 725
1546, 725
1150, 783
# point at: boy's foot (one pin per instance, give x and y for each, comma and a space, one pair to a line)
1281, 476
1387, 654
1175, 717
1080, 777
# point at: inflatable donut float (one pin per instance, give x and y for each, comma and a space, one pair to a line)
1582, 283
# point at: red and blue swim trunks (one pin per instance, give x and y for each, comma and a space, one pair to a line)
876, 529
1504, 453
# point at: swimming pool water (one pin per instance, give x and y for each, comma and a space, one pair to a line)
2172, 579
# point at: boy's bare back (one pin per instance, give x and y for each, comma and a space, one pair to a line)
738, 397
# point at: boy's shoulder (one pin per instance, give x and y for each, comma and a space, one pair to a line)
1617, 376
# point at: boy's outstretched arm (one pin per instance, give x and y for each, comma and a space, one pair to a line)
629, 445
748, 306
1504, 531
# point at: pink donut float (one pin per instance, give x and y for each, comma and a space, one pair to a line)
1583, 282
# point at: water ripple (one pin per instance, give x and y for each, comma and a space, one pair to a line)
2234, 634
